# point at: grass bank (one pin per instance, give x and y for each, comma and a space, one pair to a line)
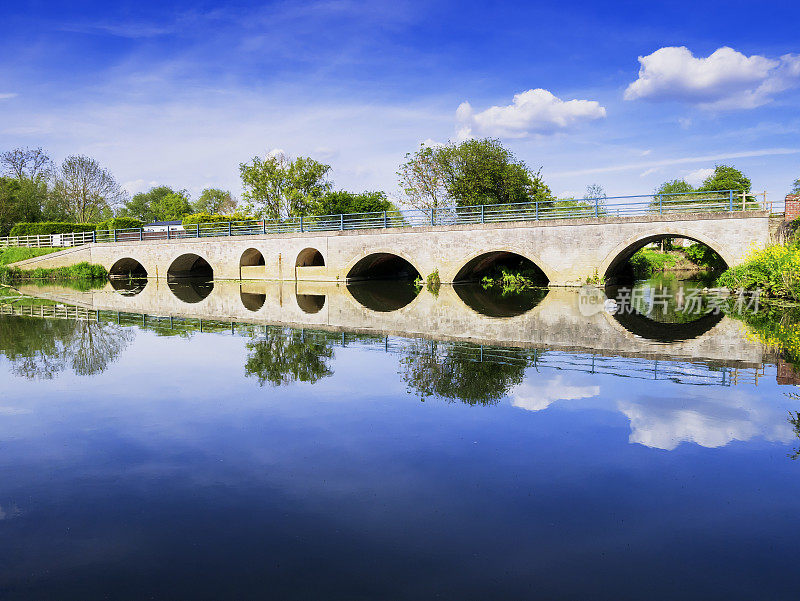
80, 271
12, 254
774, 270
692, 259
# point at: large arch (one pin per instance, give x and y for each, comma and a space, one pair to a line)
309, 257
127, 268
619, 256
382, 266
190, 265
483, 263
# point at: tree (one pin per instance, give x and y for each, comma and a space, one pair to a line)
215, 202
341, 202
594, 191
422, 180
675, 186
283, 357
171, 206
726, 177
795, 187
87, 191
482, 171
150, 206
280, 187
27, 163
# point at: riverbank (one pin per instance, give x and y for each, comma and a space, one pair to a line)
80, 271
775, 271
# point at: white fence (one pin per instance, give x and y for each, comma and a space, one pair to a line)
49, 240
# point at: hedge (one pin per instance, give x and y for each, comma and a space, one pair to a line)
43, 228
120, 223
196, 218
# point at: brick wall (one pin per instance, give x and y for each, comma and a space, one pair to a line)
792, 206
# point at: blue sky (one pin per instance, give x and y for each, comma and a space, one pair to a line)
624, 94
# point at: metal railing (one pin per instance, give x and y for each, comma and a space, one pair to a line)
620, 206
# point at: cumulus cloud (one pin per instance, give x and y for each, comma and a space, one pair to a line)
539, 395
532, 112
726, 79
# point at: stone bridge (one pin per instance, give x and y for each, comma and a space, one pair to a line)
567, 251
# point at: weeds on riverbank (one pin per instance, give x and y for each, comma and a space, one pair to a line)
508, 282
776, 325
775, 270
81, 271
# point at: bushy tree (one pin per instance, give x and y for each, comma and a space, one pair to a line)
795, 187
342, 202
279, 187
214, 201
726, 177
160, 203
27, 163
473, 172
675, 186
172, 206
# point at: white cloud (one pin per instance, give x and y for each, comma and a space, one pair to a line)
537, 395
726, 79
710, 421
532, 112
139, 185
698, 176
7, 95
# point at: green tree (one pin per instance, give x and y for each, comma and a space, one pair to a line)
278, 187
172, 206
482, 171
214, 201
422, 180
795, 187
675, 186
342, 202
725, 177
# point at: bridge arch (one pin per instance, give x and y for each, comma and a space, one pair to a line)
382, 265
190, 265
473, 266
127, 268
614, 260
252, 257
310, 257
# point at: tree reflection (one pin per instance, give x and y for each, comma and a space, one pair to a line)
43, 348
283, 356
456, 372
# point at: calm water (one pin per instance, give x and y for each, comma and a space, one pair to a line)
268, 442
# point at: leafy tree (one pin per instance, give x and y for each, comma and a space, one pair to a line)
172, 206
142, 205
482, 171
725, 177
280, 187
675, 186
795, 187
595, 191
88, 192
283, 357
341, 202
422, 180
214, 201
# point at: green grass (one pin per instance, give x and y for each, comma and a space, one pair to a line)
80, 271
775, 270
12, 254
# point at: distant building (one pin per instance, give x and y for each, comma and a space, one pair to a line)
164, 226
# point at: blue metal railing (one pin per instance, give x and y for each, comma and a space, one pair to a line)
594, 208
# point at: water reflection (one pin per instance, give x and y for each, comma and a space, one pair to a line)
383, 296
311, 303
128, 286
253, 301
44, 348
281, 356
494, 302
191, 290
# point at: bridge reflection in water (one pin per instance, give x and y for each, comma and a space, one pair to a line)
461, 343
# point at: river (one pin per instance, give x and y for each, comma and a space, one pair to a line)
218, 440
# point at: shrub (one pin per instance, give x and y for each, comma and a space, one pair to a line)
702, 255
645, 262
196, 218
119, 223
775, 270
43, 228
79, 271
